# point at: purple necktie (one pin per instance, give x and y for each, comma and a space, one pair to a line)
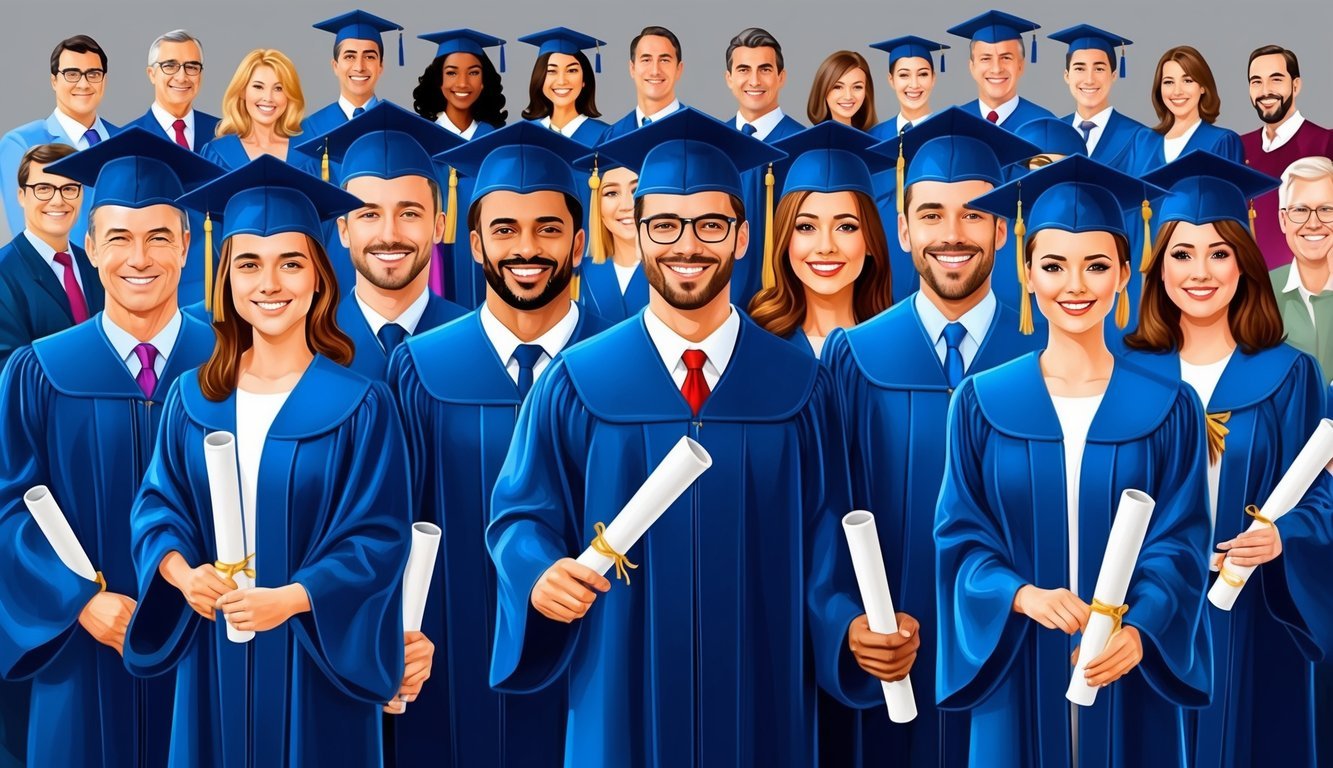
147, 377
92, 136
78, 307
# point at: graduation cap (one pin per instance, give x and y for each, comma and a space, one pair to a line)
359, 25
1076, 194
386, 141
1082, 37
997, 27
1205, 188
465, 41
566, 41
689, 152
265, 197
135, 169
1052, 136
911, 47
954, 145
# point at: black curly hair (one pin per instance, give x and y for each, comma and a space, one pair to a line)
429, 102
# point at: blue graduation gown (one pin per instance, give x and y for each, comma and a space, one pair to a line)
76, 422
1262, 711
622, 126
464, 282
906, 281
747, 278
1307, 535
1117, 139
599, 291
1148, 151
204, 127
13, 145
1002, 522
458, 430
33, 303
370, 360
333, 518
1026, 111
709, 657
895, 400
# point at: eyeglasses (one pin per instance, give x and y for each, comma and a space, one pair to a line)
666, 228
171, 67
73, 75
1299, 214
48, 191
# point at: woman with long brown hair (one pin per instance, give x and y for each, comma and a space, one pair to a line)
1209, 318
1185, 98
843, 91
912, 78
323, 503
830, 262
261, 112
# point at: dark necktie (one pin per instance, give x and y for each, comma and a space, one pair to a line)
953, 356
527, 355
147, 378
390, 336
179, 128
92, 137
993, 116
907, 126
645, 121
1086, 126
748, 130
359, 111
78, 307
695, 388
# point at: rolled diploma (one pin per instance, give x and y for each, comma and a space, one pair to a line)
224, 491
873, 581
416, 577
1122, 552
1316, 454
683, 464
58, 532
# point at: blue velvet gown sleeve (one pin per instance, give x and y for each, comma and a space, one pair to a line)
536, 499
1230, 147
41, 599
979, 632
1307, 539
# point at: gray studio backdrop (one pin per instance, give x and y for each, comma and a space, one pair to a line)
1224, 31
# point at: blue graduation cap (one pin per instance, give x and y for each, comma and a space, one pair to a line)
566, 41
266, 197
386, 142
1052, 136
1082, 37
996, 27
1076, 194
135, 169
911, 47
954, 145
465, 41
359, 25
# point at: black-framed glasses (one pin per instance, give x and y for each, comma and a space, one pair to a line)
73, 75
171, 67
1299, 214
666, 228
48, 191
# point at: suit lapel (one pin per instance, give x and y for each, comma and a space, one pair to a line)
43, 276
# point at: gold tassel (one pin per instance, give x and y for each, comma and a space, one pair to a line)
770, 279
1217, 432
901, 172
1024, 301
1252, 215
1122, 309
1145, 260
208, 262
597, 244
324, 162
574, 287
451, 207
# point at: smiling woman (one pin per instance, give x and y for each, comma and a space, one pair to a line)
562, 94
261, 111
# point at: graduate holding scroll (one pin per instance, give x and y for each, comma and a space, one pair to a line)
324, 492
79, 417
1039, 452
705, 654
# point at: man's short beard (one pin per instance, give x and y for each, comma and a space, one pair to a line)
555, 284
688, 300
1283, 108
960, 289
395, 282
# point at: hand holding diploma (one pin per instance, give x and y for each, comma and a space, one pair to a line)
201, 586
888, 657
1052, 608
418, 654
418, 650
259, 609
1123, 653
885, 649
1252, 548
564, 592
106, 617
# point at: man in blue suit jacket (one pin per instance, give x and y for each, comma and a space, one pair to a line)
1090, 71
755, 74
74, 121
996, 57
655, 66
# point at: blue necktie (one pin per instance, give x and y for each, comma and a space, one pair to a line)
645, 121
527, 356
92, 137
390, 336
1086, 126
359, 111
953, 356
748, 130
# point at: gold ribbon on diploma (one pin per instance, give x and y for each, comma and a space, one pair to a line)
101, 582
1222, 572
229, 570
603, 547
1217, 435
1116, 613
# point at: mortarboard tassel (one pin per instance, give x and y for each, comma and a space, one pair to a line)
502, 58
1122, 61
901, 172
598, 244
574, 287
451, 207
597, 62
1122, 308
208, 262
1025, 301
1145, 259
1252, 215
324, 162
401, 59
770, 279
941, 62
1034, 61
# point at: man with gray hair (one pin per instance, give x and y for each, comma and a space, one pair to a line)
1304, 289
176, 70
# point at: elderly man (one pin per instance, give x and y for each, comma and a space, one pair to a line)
176, 70
1303, 287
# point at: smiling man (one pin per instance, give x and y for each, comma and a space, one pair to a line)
655, 66
996, 59
1304, 287
1090, 72
79, 418
176, 70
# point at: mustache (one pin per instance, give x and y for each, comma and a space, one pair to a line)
1277, 96
696, 259
934, 250
396, 245
531, 261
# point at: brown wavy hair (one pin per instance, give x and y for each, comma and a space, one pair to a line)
234, 117
835, 66
1190, 60
218, 376
1256, 322
780, 310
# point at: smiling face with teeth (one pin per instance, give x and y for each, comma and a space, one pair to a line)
1200, 272
996, 68
827, 249
913, 80
139, 254
690, 274
176, 93
1309, 242
81, 99
755, 80
273, 281
461, 82
51, 219
952, 246
1089, 75
358, 65
390, 237
846, 95
1273, 90
617, 201
654, 69
528, 246
1181, 93
564, 80
1075, 277
265, 98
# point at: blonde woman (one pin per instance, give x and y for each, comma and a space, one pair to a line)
261, 112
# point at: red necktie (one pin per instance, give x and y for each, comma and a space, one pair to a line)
993, 116
78, 307
695, 388
179, 127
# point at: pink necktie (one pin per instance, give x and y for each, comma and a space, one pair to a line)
147, 377
78, 307
179, 127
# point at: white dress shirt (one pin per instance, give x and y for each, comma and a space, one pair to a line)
764, 125
1204, 379
465, 134
74, 130
48, 255
1004, 110
901, 122
167, 121
255, 414
408, 320
551, 342
570, 127
718, 347
1075, 415
124, 343
624, 275
1171, 148
348, 107
1294, 284
668, 109
1283, 133
1095, 135
976, 321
